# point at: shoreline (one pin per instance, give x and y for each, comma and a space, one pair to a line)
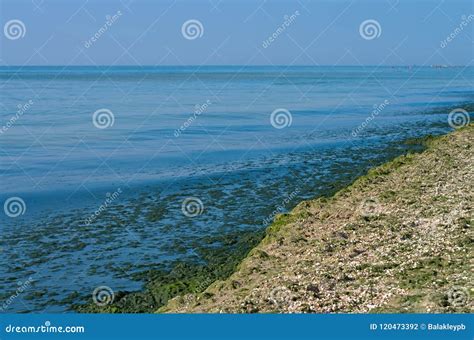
169, 287
284, 272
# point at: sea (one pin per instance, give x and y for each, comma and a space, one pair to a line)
108, 171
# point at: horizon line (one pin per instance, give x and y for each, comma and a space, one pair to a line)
240, 65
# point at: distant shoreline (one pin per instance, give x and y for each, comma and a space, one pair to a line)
226, 65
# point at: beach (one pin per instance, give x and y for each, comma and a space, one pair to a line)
397, 240
164, 191
237, 169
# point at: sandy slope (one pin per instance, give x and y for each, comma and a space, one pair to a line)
397, 240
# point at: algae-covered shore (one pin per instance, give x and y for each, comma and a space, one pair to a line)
397, 240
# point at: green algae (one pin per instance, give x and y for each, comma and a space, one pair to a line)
220, 257
191, 275
420, 281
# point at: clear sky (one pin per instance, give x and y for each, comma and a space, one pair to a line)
234, 32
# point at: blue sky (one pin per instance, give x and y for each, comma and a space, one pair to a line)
323, 33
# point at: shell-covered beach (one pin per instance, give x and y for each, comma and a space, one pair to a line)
397, 240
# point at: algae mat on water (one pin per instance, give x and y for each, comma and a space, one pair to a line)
398, 240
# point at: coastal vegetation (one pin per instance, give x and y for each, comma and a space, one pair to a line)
399, 240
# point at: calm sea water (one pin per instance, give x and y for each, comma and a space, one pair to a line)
178, 133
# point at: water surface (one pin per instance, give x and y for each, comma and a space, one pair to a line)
181, 132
